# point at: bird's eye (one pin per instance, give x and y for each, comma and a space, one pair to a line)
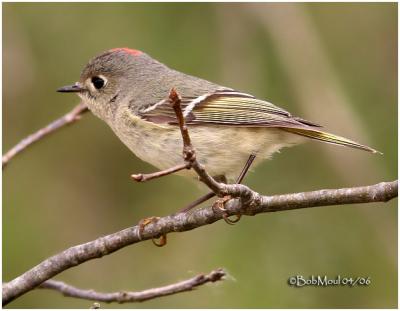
98, 82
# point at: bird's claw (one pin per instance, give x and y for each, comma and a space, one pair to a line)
162, 240
231, 221
143, 223
219, 205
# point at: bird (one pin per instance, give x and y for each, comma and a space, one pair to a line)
127, 88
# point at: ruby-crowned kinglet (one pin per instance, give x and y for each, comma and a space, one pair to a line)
127, 89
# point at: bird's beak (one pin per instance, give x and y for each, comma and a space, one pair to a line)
75, 88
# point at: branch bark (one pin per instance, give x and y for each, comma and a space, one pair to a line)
125, 296
245, 202
70, 117
180, 222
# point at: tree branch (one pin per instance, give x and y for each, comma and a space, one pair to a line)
105, 245
146, 177
245, 202
124, 296
70, 117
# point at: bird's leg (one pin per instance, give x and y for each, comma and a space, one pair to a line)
204, 198
245, 168
197, 202
220, 203
144, 222
220, 178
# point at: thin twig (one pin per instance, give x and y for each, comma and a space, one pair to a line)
188, 152
125, 296
176, 104
68, 118
189, 155
146, 177
105, 245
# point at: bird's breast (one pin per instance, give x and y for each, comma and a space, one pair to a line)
224, 150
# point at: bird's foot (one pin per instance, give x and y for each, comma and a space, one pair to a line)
219, 206
162, 240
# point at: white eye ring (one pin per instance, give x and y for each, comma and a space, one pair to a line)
98, 82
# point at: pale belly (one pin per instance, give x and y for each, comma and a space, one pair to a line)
223, 150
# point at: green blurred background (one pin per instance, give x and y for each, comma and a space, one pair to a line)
335, 64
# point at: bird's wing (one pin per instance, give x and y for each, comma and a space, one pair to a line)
225, 107
231, 108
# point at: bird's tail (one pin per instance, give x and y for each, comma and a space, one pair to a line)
329, 138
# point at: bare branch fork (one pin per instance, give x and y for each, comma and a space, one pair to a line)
189, 156
125, 296
245, 202
188, 151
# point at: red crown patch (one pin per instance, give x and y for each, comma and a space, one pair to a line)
128, 50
